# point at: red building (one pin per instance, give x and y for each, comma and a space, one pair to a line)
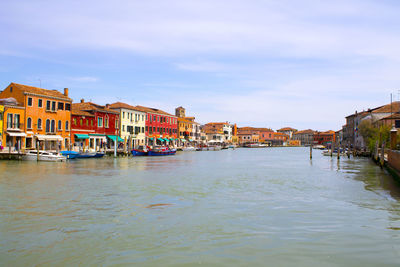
324, 138
161, 127
93, 126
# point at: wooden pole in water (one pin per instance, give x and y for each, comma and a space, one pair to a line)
338, 151
37, 150
383, 154
310, 151
332, 148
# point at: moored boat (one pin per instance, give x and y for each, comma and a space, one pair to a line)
43, 156
140, 151
161, 151
69, 154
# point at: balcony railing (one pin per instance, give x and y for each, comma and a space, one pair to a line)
15, 126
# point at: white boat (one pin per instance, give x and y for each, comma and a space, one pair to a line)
327, 152
43, 156
188, 148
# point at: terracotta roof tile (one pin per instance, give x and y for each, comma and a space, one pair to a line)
154, 110
118, 105
40, 91
89, 106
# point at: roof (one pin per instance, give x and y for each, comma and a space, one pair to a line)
40, 91
77, 112
254, 129
308, 131
118, 105
154, 110
394, 107
287, 129
325, 133
89, 106
393, 116
185, 120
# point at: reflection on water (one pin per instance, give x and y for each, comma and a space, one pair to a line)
230, 207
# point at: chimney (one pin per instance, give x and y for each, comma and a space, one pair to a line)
66, 91
82, 100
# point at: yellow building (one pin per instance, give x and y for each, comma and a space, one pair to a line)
1, 125
185, 128
13, 134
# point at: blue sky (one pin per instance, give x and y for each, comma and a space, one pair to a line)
304, 64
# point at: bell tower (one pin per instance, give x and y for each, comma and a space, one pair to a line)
180, 112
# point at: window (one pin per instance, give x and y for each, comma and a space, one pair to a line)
147, 128
39, 124
16, 121
123, 115
74, 121
60, 105
116, 124
99, 122
106, 122
67, 106
30, 102
123, 128
87, 122
146, 117
40, 103
91, 123
11, 89
47, 126
142, 129
29, 123
142, 117
66, 126
53, 126
154, 117
48, 105
53, 106
81, 122
59, 126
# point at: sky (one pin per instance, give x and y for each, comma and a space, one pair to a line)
272, 63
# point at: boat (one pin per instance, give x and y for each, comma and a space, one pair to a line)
327, 152
43, 156
161, 151
70, 154
255, 145
321, 147
140, 151
188, 148
99, 155
81, 155
210, 148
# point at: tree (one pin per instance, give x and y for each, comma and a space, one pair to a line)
372, 133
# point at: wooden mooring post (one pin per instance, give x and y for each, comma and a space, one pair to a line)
310, 151
382, 159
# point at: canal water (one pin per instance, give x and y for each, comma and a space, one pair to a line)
242, 207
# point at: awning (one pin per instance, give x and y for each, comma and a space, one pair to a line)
113, 137
190, 140
82, 136
160, 139
183, 140
96, 135
17, 134
42, 137
151, 138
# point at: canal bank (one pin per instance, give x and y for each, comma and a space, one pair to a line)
217, 208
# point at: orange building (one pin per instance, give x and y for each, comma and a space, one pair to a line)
324, 138
47, 115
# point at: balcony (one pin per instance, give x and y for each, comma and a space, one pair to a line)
15, 126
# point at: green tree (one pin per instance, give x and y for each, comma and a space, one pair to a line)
372, 133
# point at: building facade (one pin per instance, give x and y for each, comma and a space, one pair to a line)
161, 128
306, 137
132, 124
105, 125
324, 138
47, 115
219, 131
288, 131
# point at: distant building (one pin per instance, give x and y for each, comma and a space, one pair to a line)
324, 138
219, 131
306, 137
288, 131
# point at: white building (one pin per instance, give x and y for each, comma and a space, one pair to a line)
132, 124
